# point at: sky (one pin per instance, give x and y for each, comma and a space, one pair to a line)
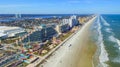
59, 6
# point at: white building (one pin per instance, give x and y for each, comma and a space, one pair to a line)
67, 24
69, 21
6, 31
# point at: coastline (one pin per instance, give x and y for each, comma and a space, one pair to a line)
88, 48
78, 54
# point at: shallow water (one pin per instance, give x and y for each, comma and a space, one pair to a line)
105, 33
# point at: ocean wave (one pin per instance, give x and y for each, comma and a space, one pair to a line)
118, 42
112, 38
105, 22
103, 55
115, 40
116, 60
108, 30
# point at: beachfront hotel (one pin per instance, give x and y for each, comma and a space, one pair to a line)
42, 33
71, 22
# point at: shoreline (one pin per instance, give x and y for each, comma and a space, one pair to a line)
64, 55
88, 49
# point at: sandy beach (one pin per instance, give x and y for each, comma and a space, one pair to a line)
76, 52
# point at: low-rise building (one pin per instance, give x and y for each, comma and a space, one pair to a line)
6, 31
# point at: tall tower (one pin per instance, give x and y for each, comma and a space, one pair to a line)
17, 15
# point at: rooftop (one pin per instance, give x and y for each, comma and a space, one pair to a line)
4, 28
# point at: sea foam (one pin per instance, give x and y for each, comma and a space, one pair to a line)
104, 21
115, 40
108, 30
112, 38
116, 60
103, 55
118, 42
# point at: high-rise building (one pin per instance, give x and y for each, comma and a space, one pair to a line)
44, 33
17, 15
72, 21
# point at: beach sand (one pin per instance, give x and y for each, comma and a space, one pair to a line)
76, 52
88, 48
87, 52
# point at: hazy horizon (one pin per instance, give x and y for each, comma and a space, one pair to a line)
59, 7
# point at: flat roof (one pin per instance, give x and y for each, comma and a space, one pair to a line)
1, 34
4, 28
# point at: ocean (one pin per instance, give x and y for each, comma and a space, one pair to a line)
106, 35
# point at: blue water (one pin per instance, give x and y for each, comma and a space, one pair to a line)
107, 31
